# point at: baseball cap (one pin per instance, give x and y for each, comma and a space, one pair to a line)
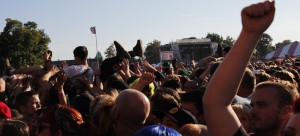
179, 115
4, 111
157, 130
166, 64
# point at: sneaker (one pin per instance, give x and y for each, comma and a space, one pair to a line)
138, 49
121, 52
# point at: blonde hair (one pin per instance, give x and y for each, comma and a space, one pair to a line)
102, 115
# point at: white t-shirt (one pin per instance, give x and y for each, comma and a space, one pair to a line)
76, 70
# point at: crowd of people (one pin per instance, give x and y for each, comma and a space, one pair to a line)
229, 95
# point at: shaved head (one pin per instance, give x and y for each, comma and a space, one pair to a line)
130, 112
132, 107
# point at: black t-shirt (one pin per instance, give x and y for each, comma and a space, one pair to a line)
241, 132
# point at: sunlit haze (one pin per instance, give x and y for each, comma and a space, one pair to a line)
68, 22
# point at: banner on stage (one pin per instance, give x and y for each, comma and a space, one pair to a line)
166, 55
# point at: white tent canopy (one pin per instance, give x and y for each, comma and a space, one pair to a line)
292, 49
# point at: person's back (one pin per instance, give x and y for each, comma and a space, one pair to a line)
130, 112
81, 68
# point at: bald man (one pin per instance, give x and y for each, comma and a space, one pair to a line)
130, 112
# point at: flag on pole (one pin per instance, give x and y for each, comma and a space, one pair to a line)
93, 29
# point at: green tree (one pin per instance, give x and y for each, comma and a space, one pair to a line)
264, 46
215, 38
228, 42
22, 44
110, 51
99, 56
152, 52
283, 43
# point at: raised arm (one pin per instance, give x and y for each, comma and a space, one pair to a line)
223, 86
59, 86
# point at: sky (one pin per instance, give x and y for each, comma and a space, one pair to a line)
68, 22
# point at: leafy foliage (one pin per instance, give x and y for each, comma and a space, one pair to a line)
22, 44
228, 42
215, 38
99, 56
264, 46
283, 43
110, 51
152, 52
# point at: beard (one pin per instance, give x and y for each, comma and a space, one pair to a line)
271, 126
